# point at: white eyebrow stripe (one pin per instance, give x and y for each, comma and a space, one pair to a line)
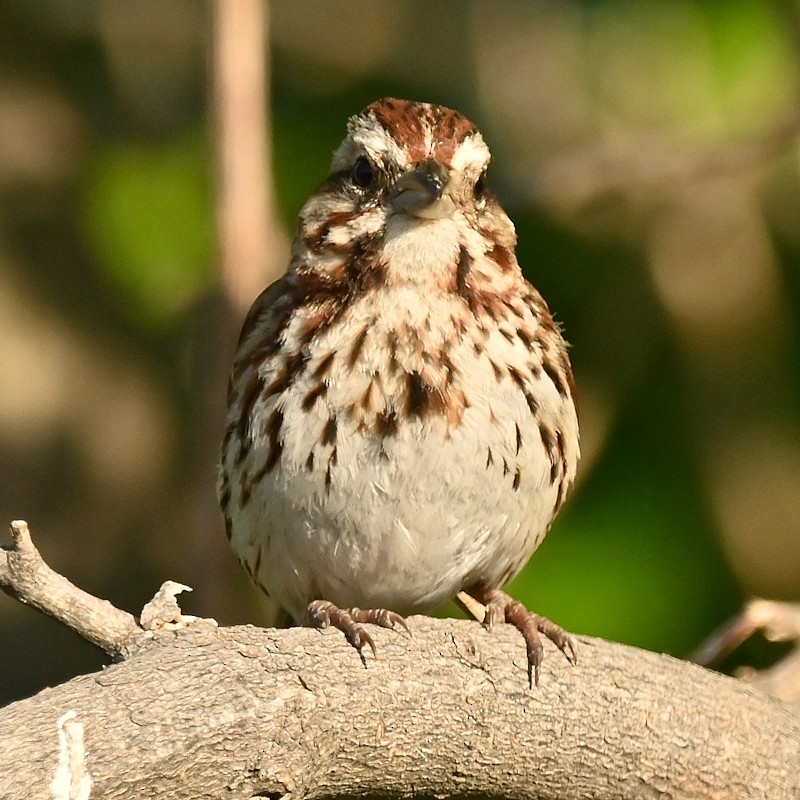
471, 155
368, 134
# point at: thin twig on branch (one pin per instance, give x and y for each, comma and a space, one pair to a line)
244, 712
25, 576
780, 622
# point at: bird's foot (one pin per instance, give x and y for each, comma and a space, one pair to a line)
323, 614
501, 607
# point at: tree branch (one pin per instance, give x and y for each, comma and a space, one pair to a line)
244, 712
25, 576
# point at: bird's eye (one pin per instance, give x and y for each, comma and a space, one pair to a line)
363, 173
480, 186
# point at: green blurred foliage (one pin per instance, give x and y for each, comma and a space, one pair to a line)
752, 48
643, 566
147, 217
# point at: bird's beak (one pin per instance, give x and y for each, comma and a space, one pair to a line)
420, 192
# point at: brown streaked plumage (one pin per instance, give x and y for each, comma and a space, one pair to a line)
401, 424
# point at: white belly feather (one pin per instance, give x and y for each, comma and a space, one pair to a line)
402, 520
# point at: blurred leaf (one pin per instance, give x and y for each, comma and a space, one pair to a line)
754, 55
634, 558
146, 214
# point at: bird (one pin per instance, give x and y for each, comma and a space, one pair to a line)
402, 425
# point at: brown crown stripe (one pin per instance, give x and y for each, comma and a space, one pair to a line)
405, 121
452, 130
401, 119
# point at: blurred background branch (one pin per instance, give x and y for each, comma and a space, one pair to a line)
153, 157
253, 247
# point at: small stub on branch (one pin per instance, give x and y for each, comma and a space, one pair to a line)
163, 611
20, 533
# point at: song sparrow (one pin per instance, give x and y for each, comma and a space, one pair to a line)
401, 423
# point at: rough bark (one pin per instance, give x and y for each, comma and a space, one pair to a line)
202, 712
246, 712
